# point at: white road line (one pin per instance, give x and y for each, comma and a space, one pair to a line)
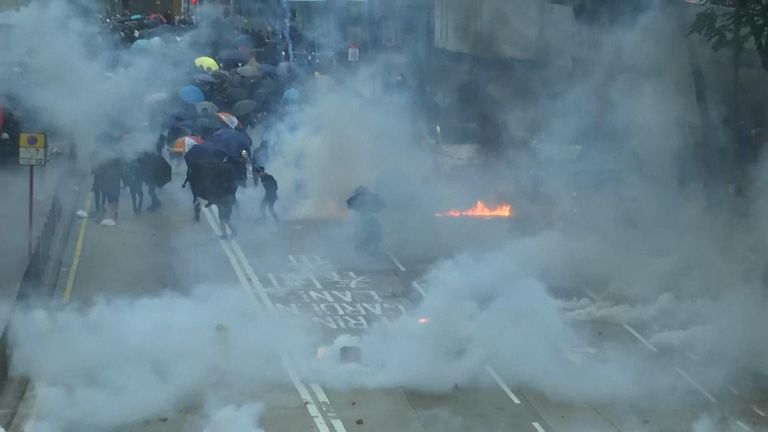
695, 384
639, 337
252, 278
734, 391
419, 288
322, 426
228, 252
292, 259
743, 426
273, 279
316, 282
321, 396
538, 427
758, 411
397, 263
502, 384
325, 402
692, 356
253, 286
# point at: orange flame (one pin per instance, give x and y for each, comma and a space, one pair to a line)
481, 210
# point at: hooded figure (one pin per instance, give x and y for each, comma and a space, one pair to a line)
370, 233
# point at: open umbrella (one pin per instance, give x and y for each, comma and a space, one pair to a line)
184, 144
137, 17
234, 55
229, 119
158, 169
244, 107
220, 75
206, 108
191, 94
157, 16
205, 78
249, 71
207, 63
231, 141
183, 115
140, 44
291, 96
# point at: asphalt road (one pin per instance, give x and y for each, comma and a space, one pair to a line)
297, 268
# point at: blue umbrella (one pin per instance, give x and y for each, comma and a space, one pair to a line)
291, 96
231, 141
137, 17
191, 94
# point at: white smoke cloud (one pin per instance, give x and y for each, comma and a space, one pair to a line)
127, 360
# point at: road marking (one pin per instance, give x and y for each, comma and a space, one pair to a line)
502, 384
758, 411
743, 426
65, 298
323, 399
315, 282
734, 391
397, 263
538, 427
695, 384
692, 356
419, 288
322, 426
251, 283
639, 337
78, 252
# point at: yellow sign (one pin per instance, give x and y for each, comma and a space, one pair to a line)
32, 149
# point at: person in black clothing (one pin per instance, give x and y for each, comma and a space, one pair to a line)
270, 194
133, 179
370, 235
108, 176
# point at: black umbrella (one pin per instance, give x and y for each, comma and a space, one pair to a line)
234, 55
244, 107
202, 124
220, 75
157, 170
237, 94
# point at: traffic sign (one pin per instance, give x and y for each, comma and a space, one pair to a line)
32, 149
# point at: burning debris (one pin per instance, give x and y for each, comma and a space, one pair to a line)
480, 210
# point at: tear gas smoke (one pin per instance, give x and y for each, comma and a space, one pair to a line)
127, 360
655, 249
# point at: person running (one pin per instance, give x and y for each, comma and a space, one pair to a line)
270, 194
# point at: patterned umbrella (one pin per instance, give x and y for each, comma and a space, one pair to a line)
183, 144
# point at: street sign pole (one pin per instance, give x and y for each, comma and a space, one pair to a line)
32, 151
31, 209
